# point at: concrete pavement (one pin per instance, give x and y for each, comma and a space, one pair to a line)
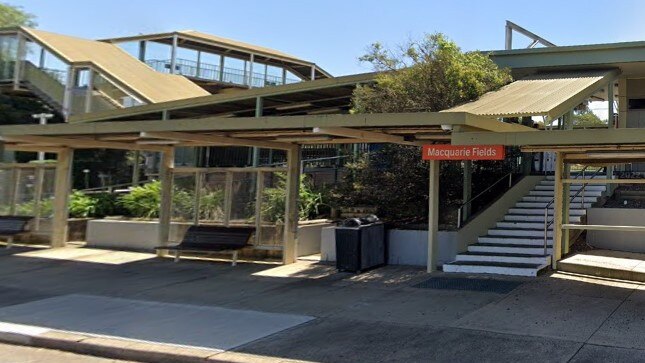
22, 354
374, 317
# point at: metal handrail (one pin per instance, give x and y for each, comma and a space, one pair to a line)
461, 207
547, 222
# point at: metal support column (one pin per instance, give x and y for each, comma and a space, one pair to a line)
221, 68
566, 205
509, 38
20, 58
38, 196
89, 92
173, 54
467, 189
622, 103
199, 63
250, 75
284, 76
291, 215
610, 124
41, 58
69, 87
259, 106
558, 209
142, 51
165, 207
136, 167
313, 73
62, 189
433, 216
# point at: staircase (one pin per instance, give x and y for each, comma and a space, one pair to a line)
515, 246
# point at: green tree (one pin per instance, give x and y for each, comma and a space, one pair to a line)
426, 76
429, 75
588, 119
11, 15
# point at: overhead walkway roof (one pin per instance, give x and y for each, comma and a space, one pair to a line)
319, 96
547, 94
118, 65
207, 42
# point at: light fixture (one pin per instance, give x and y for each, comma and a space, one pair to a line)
446, 127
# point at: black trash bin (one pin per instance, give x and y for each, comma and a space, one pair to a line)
360, 244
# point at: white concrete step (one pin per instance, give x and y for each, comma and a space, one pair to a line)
590, 187
517, 249
551, 193
504, 257
577, 176
514, 269
535, 218
512, 240
521, 225
543, 205
520, 232
547, 199
540, 211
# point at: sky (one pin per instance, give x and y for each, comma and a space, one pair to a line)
335, 33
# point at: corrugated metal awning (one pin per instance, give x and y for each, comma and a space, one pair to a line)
547, 94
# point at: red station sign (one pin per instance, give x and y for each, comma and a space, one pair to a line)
469, 152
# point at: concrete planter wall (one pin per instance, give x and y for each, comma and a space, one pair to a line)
617, 240
142, 235
129, 235
309, 238
76, 229
404, 247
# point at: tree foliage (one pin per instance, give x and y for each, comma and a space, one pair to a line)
429, 75
11, 15
588, 119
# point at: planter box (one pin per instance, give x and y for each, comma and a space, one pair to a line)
142, 235
617, 240
129, 235
76, 229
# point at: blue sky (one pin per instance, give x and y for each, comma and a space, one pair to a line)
335, 33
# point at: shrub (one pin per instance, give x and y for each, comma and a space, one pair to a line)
81, 205
273, 206
142, 201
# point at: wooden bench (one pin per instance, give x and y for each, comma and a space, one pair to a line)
11, 226
212, 239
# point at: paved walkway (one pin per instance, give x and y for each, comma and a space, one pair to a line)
336, 317
20, 354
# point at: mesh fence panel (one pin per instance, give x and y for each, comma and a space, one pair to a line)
183, 197
211, 200
272, 210
243, 197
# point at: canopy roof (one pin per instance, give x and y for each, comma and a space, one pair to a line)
546, 94
320, 96
232, 48
118, 66
267, 132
